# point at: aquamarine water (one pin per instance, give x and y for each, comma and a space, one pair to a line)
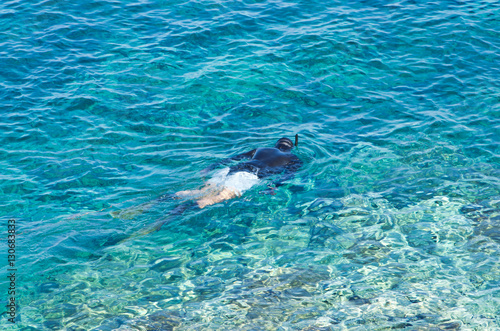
392, 223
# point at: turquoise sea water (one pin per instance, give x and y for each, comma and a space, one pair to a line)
392, 222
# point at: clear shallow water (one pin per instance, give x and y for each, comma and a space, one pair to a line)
393, 222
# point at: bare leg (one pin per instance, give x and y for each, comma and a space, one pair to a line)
131, 212
207, 195
179, 210
134, 211
223, 195
205, 190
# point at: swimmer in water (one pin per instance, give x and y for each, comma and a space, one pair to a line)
227, 183
231, 182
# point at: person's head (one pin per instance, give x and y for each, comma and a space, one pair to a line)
284, 145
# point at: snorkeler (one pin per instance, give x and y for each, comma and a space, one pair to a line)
231, 182
227, 183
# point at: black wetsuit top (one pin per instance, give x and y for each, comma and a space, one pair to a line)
265, 162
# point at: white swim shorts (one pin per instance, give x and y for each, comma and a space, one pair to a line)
239, 181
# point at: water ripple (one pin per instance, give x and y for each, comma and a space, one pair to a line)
391, 223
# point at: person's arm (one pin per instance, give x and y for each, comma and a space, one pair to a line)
288, 174
247, 155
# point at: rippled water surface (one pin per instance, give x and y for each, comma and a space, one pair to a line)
393, 222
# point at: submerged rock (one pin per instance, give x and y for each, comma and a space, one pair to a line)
199, 267
60, 311
358, 300
52, 325
486, 217
325, 234
305, 314
367, 251
207, 288
296, 292
450, 326
165, 320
